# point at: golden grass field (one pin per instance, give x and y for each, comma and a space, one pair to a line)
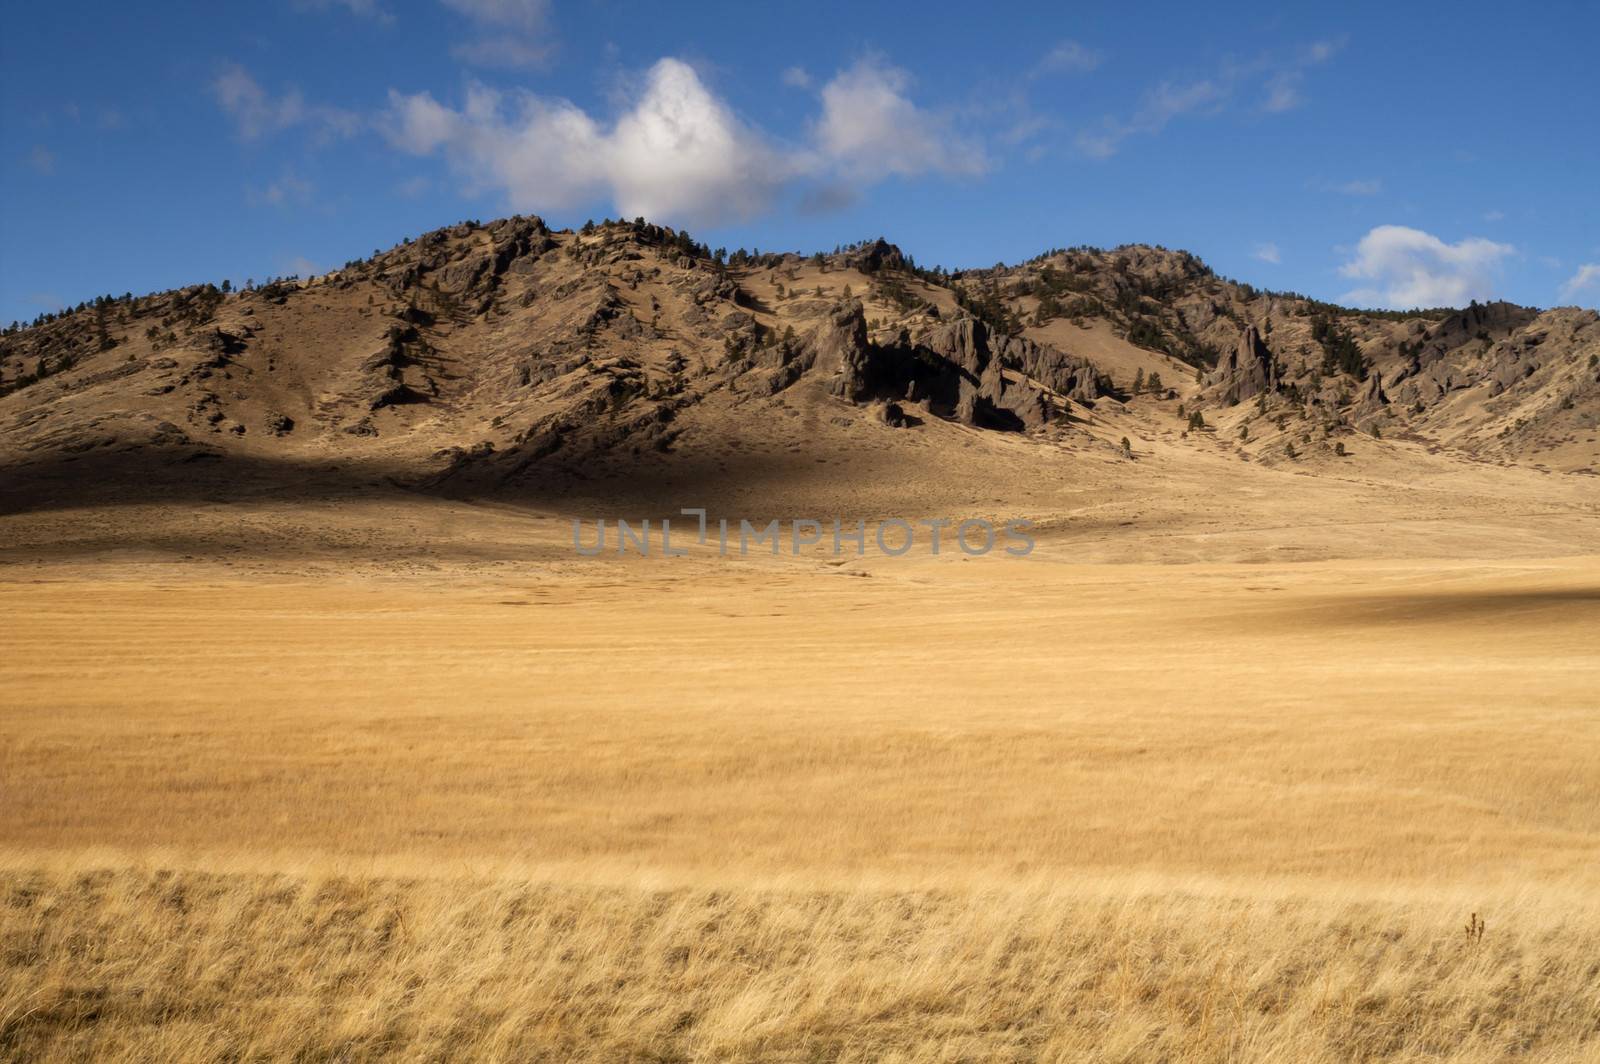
906, 809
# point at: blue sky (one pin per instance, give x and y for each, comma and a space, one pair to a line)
1386, 154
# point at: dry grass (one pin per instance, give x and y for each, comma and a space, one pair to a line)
950, 812
193, 966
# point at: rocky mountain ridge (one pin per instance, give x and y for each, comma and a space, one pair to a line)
483, 355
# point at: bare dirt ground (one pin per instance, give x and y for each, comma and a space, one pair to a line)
1222, 771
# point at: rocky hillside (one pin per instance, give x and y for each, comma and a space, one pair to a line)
483, 356
1494, 380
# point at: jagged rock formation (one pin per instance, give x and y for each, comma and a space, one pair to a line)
1372, 400
1245, 372
958, 369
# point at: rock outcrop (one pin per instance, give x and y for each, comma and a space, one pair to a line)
1245, 372
1372, 399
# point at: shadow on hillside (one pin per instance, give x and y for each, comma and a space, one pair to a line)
748, 484
1496, 606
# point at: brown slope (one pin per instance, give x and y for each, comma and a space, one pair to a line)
513, 358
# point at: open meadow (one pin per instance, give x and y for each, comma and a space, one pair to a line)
714, 809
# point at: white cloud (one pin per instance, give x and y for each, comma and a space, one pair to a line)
419, 123
870, 129
1067, 57
797, 78
677, 152
1410, 268
42, 160
1587, 277
1494, 216
682, 152
510, 33
1268, 252
256, 113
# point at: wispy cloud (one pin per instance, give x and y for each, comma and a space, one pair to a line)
678, 152
1284, 86
257, 113
1267, 252
1587, 279
1278, 79
1407, 267
287, 190
41, 160
1162, 104
506, 33
1370, 186
797, 78
412, 187
361, 8
1067, 57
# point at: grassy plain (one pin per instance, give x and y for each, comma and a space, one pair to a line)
908, 809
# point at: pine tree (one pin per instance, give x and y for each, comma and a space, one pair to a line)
1138, 382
